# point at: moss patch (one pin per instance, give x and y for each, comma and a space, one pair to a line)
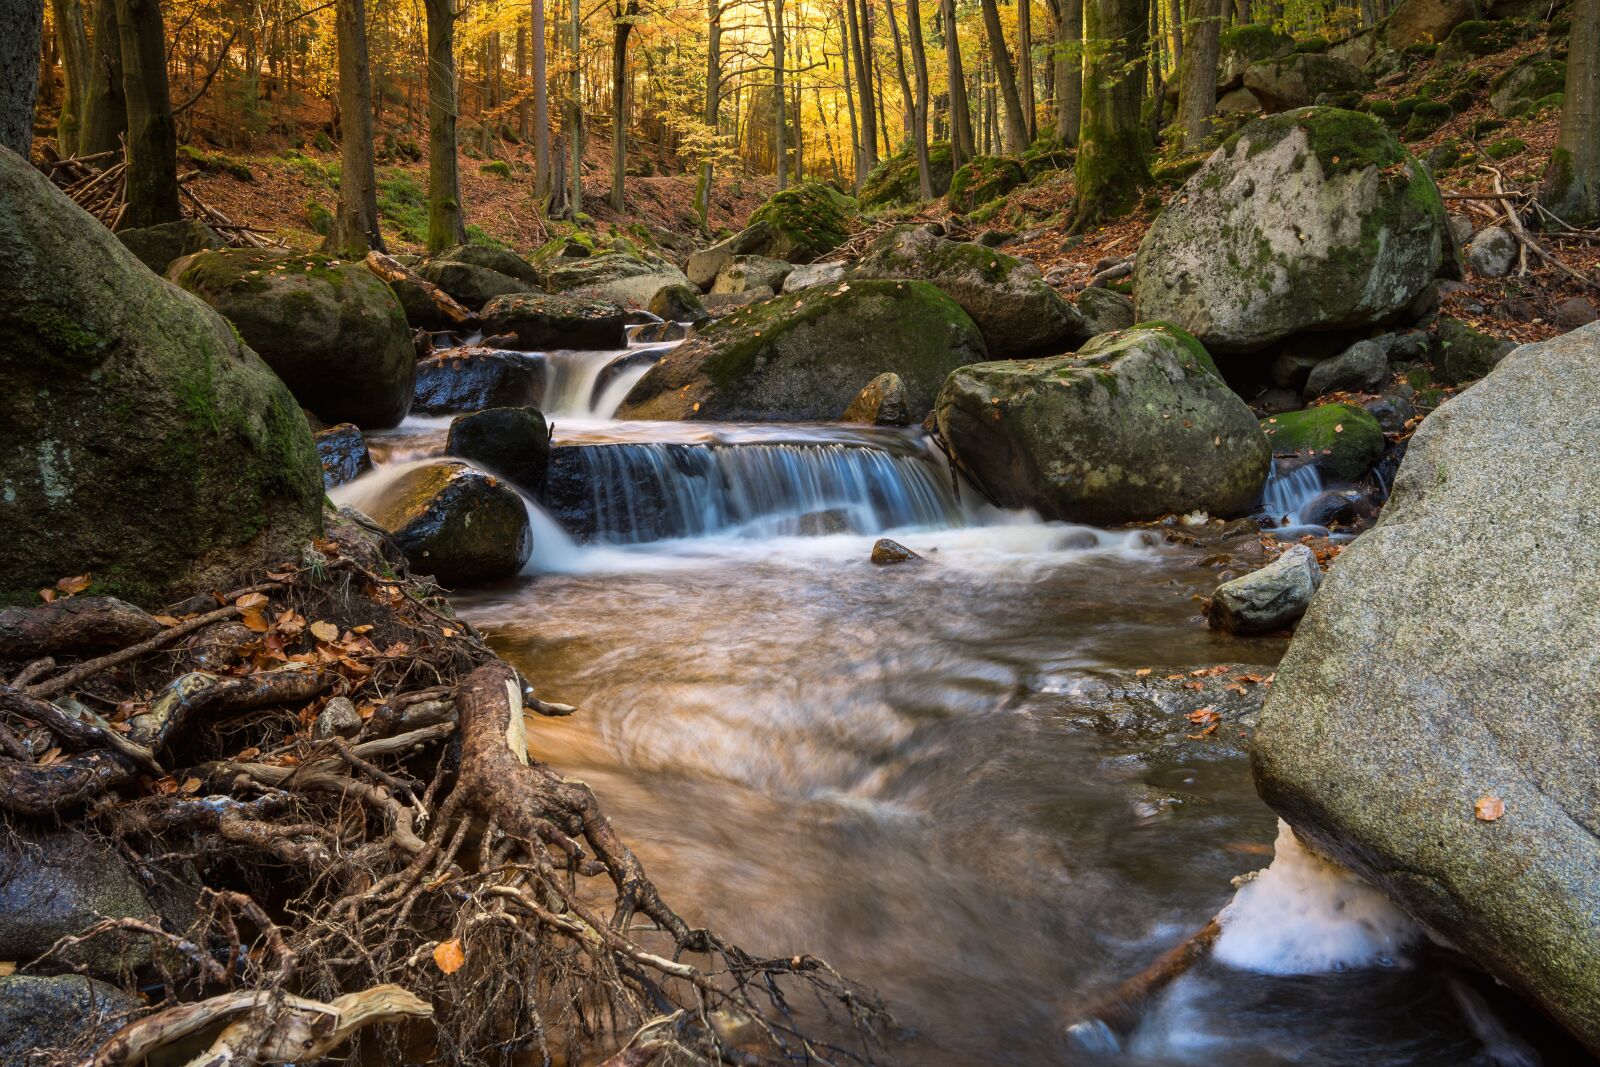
1344, 441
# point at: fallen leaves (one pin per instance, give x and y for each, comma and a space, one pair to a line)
253, 612
448, 956
1210, 718
1489, 808
325, 631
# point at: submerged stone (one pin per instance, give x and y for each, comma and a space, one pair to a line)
458, 524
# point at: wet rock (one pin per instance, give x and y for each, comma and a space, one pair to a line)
1269, 599
1492, 252
1463, 354
458, 380
57, 884
545, 322
472, 285
1426, 21
1136, 425
338, 718
39, 1014
1272, 238
1278, 399
1392, 413
706, 264
661, 331
511, 442
1335, 507
343, 453
1574, 312
743, 273
881, 403
146, 444
1104, 310
1016, 309
1448, 658
1362, 367
678, 303
1298, 80
812, 275
803, 356
331, 329
1343, 441
610, 276
885, 551
458, 524
157, 246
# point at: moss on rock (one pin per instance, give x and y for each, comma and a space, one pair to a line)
1342, 440
985, 179
809, 220
895, 181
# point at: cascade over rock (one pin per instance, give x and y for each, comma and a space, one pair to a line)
806, 355
149, 446
456, 523
331, 329
1310, 220
1448, 657
1016, 309
1136, 425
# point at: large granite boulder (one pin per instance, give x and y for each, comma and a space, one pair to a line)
1136, 425
471, 284
612, 276
545, 322
500, 260
807, 220
456, 523
806, 355
157, 246
145, 443
1302, 79
1446, 671
331, 329
1310, 220
60, 884
896, 180
1426, 21
704, 265
1241, 47
1018, 312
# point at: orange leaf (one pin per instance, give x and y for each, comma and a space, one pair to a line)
324, 631
1489, 808
47, 595
1141, 672
76, 584
448, 956
251, 602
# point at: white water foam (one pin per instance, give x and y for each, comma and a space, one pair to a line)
1305, 915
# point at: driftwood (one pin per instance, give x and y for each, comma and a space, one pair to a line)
392, 270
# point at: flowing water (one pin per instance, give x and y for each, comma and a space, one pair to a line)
973, 782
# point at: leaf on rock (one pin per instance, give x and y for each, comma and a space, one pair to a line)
448, 956
74, 585
1489, 808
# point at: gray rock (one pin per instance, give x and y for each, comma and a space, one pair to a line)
1272, 238
59, 884
1299, 80
882, 403
1463, 354
1392, 412
720, 304
338, 718
1449, 657
1277, 400
1235, 101
1291, 369
614, 277
459, 380
812, 275
1573, 312
157, 246
678, 303
1137, 425
1460, 228
743, 273
458, 524
499, 260
1492, 252
61, 1012
1105, 310
1426, 21
706, 264
513, 442
543, 322
1269, 599
471, 284
1362, 367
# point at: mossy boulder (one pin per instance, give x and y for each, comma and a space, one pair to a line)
511, 442
678, 303
1517, 91
1341, 440
157, 246
472, 285
805, 356
1017, 311
1046, 154
1136, 425
544, 322
331, 329
1242, 46
456, 523
1448, 658
1463, 354
1483, 37
146, 444
1311, 220
705, 264
500, 260
1426, 22
894, 181
1301, 79
809, 220
618, 277
985, 179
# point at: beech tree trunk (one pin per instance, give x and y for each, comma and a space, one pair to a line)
446, 226
621, 29
1069, 70
1113, 164
73, 44
355, 226
861, 45
1571, 187
779, 109
542, 184
961, 147
1198, 90
105, 113
575, 112
1016, 137
1030, 101
21, 33
152, 196
712, 112
919, 117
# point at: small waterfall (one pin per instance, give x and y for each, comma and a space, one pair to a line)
631, 493
1287, 492
591, 385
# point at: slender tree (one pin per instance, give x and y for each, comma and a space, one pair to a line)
961, 146
713, 110
1571, 187
861, 49
916, 117
919, 119
21, 32
355, 225
1030, 101
575, 110
1113, 161
1198, 90
152, 176
774, 12
73, 44
542, 184
105, 112
446, 225
1016, 126
1068, 69
623, 17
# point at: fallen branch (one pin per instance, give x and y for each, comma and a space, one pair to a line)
392, 270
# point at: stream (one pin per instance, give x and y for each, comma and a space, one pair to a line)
974, 782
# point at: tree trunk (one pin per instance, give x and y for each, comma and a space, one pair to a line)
919, 118
1175, 10
73, 44
621, 29
446, 226
355, 226
543, 186
860, 46
1112, 162
21, 32
961, 147
105, 113
1571, 188
779, 103
1069, 71
1198, 91
575, 112
856, 177
1030, 99
152, 175
712, 112
1016, 125
907, 100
